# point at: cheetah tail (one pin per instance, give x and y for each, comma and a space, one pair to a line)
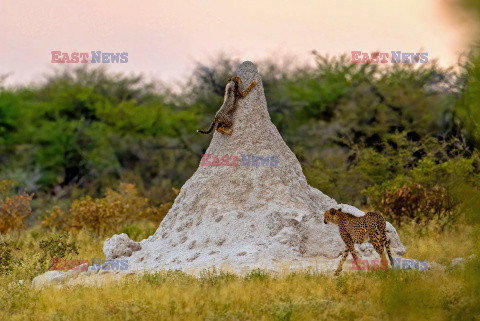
209, 130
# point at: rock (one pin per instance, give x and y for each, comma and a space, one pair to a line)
395, 243
48, 278
119, 245
459, 261
437, 266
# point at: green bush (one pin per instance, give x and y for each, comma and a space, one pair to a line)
354, 127
56, 246
430, 191
6, 258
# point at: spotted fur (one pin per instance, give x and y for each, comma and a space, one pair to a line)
356, 230
224, 117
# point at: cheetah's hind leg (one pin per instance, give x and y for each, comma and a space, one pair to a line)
246, 91
224, 125
378, 246
222, 130
387, 247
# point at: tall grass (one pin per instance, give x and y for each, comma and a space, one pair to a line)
441, 294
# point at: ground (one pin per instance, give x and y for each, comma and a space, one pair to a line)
439, 294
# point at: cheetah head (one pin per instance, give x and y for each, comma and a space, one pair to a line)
235, 79
330, 216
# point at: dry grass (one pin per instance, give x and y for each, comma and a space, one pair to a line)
400, 295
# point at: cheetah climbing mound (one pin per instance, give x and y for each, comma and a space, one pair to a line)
239, 218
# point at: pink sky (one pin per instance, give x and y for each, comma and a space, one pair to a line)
164, 38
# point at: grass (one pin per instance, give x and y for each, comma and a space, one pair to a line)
440, 295
447, 294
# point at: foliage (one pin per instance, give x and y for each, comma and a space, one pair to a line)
359, 130
90, 128
105, 214
466, 108
56, 246
5, 188
13, 210
430, 191
6, 258
139, 230
416, 202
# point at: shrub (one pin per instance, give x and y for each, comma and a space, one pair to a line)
418, 203
6, 186
432, 190
13, 210
106, 214
6, 258
56, 246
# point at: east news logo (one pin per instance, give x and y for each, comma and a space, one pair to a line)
97, 57
396, 57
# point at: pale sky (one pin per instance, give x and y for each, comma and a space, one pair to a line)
164, 38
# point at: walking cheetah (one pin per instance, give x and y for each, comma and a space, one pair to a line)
223, 118
355, 229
